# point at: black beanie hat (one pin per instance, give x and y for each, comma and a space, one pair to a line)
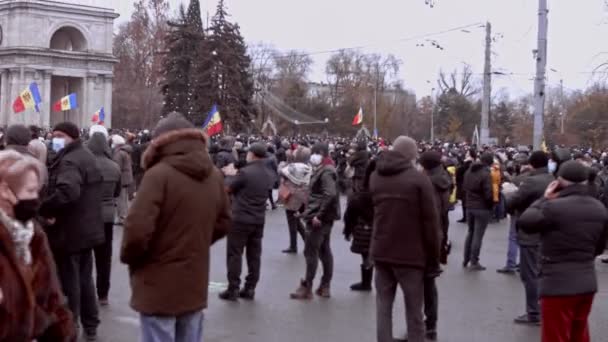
539, 159
18, 135
487, 158
68, 128
174, 121
258, 150
573, 171
430, 160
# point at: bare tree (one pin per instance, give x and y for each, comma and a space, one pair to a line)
138, 45
461, 82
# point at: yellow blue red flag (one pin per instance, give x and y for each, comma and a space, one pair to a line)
28, 99
213, 123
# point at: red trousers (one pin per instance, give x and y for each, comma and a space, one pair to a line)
564, 319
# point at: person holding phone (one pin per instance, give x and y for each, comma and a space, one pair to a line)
573, 227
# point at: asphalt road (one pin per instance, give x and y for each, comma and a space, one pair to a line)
474, 306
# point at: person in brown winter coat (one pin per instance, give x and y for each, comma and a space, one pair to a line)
180, 210
32, 306
405, 238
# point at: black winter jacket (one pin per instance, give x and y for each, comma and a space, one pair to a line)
573, 230
224, 158
477, 185
110, 172
323, 198
531, 189
250, 191
74, 199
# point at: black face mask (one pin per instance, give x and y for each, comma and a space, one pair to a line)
25, 210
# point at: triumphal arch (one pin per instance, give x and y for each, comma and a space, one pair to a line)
63, 46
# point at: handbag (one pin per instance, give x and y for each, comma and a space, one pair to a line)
284, 193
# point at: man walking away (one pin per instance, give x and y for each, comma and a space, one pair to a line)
122, 156
402, 253
531, 189
110, 172
250, 190
573, 227
479, 203
74, 223
442, 184
180, 211
322, 210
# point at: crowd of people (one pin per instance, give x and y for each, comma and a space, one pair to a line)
175, 192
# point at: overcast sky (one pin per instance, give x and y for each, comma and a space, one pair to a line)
577, 34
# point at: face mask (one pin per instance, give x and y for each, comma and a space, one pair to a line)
26, 210
552, 166
316, 159
58, 144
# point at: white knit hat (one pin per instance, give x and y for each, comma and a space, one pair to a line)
98, 129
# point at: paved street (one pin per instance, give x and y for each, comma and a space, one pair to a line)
474, 307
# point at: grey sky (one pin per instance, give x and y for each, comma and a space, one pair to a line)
577, 31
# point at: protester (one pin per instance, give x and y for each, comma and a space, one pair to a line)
225, 155
322, 210
479, 203
273, 165
74, 224
403, 254
511, 264
358, 223
17, 138
573, 228
463, 167
442, 185
531, 189
122, 156
31, 301
358, 163
165, 226
249, 190
293, 193
110, 172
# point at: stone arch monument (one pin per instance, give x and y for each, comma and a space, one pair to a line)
63, 47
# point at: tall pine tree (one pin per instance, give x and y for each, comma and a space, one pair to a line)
176, 66
231, 70
203, 68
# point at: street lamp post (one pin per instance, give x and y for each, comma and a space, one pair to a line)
375, 112
433, 117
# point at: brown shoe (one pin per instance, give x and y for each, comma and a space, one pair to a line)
304, 292
323, 291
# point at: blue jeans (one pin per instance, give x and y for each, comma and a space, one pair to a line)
513, 248
184, 328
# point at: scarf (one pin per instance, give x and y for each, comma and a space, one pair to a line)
22, 235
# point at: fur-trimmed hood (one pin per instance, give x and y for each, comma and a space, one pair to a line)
184, 149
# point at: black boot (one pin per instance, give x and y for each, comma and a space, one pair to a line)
366, 280
230, 295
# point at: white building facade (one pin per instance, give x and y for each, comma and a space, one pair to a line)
63, 47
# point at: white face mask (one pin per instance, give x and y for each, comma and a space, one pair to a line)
552, 166
316, 159
58, 144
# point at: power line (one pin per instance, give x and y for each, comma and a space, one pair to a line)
402, 40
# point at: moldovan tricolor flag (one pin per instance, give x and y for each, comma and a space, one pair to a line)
213, 123
358, 118
28, 99
66, 103
99, 116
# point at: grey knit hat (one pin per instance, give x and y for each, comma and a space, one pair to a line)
172, 122
407, 147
